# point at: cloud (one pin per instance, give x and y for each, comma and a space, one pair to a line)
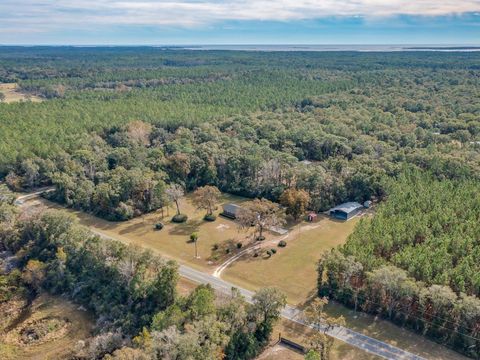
72, 14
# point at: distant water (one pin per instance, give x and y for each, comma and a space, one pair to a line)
360, 48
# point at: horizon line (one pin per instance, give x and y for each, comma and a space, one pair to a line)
241, 44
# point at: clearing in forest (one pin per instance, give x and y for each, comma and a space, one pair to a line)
12, 94
217, 240
293, 268
47, 329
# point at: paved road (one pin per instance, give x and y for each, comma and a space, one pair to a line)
341, 333
344, 334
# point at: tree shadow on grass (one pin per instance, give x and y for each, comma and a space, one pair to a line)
185, 229
223, 251
140, 228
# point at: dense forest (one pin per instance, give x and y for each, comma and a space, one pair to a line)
332, 128
131, 292
417, 261
119, 128
411, 99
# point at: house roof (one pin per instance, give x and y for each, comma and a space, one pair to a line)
231, 208
347, 207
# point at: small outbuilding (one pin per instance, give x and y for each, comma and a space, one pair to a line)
311, 217
230, 210
345, 211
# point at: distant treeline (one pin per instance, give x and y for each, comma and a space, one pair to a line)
97, 88
355, 126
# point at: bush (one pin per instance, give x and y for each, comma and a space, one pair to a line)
215, 247
227, 251
159, 226
269, 253
180, 218
261, 238
123, 211
255, 254
273, 251
209, 217
282, 243
239, 245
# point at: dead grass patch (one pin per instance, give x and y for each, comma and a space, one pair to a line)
50, 330
13, 94
293, 268
173, 241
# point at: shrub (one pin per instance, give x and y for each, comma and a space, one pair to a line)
273, 251
227, 251
180, 218
269, 253
239, 245
255, 254
159, 226
261, 238
215, 246
124, 211
282, 243
210, 217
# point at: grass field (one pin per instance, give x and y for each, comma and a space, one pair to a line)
173, 239
12, 95
46, 307
293, 268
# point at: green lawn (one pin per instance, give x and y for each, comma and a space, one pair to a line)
293, 268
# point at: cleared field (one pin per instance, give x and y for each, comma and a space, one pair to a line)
173, 239
293, 268
46, 312
10, 90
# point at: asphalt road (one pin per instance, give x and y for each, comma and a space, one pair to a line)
291, 313
341, 333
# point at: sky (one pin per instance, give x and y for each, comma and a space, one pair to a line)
195, 22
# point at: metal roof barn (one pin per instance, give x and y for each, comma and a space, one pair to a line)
346, 210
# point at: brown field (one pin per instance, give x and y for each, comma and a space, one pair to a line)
173, 240
12, 95
78, 325
292, 269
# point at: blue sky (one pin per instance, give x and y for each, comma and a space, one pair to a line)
160, 22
